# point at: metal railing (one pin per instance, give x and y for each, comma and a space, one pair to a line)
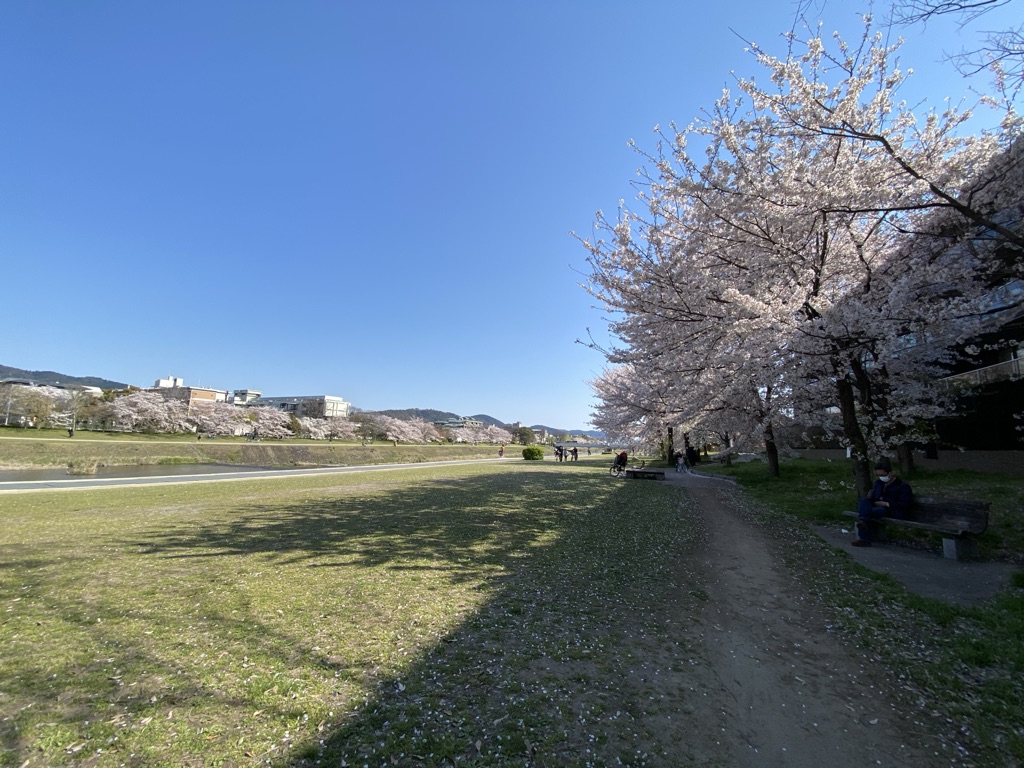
1011, 369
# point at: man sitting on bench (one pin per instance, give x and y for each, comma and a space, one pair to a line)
889, 497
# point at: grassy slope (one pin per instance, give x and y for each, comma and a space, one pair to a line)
47, 448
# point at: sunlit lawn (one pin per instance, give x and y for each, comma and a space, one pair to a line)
412, 616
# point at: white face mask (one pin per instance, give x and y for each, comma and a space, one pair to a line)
884, 478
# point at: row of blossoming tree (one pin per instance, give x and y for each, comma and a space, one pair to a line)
151, 412
809, 245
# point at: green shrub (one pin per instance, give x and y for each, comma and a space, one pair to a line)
533, 453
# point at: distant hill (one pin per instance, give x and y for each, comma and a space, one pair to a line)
596, 433
52, 377
429, 414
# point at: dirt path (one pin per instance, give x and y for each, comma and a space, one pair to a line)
778, 688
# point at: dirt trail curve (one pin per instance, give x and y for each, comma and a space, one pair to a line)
779, 689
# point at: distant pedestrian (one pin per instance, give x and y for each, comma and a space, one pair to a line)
691, 456
501, 451
71, 431
575, 454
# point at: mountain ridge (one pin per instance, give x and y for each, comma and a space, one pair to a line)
53, 377
430, 414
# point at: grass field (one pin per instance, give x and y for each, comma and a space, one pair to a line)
478, 614
349, 619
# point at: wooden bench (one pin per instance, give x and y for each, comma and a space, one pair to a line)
958, 520
645, 473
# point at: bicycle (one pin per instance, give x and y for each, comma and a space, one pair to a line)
618, 470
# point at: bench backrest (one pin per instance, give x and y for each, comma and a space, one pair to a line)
955, 514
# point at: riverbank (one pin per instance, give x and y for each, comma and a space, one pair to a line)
88, 450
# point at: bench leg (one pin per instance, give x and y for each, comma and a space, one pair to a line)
958, 549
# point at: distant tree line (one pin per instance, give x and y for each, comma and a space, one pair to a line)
134, 410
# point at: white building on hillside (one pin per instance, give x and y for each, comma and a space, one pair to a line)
315, 406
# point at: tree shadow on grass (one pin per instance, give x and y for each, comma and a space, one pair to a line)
545, 672
572, 564
563, 559
469, 522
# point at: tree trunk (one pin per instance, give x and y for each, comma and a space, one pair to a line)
771, 450
906, 457
858, 445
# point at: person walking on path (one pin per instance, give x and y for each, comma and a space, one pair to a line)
889, 497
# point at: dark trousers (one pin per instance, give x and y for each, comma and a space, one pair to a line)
867, 511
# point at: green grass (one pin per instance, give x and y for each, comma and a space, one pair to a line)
965, 664
818, 491
32, 449
472, 612
478, 614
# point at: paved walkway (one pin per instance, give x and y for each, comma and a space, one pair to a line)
87, 481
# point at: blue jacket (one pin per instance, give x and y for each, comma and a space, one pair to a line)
896, 493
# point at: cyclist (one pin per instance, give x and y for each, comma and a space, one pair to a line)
620, 460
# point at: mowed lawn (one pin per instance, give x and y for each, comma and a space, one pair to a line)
479, 613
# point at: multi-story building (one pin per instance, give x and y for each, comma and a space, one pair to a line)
245, 396
315, 406
174, 387
459, 423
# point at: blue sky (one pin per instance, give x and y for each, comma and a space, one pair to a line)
370, 200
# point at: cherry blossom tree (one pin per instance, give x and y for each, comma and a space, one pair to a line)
406, 430
145, 412
766, 272
70, 406
312, 427
269, 422
340, 428
38, 404
630, 411
217, 418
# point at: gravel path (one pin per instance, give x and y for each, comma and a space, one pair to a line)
778, 688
